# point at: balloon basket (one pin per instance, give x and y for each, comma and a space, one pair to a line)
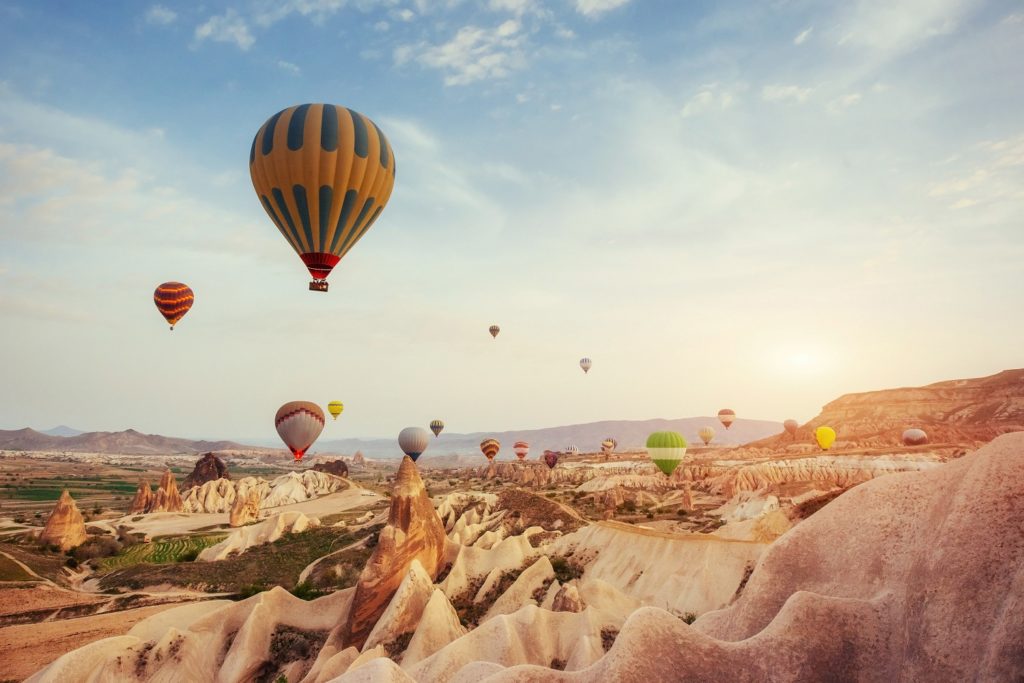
318, 286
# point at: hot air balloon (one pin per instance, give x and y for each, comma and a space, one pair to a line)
586, 364
298, 424
791, 426
726, 416
666, 450
706, 434
490, 448
572, 450
413, 441
550, 459
608, 445
915, 437
494, 330
521, 449
825, 436
436, 426
323, 174
335, 408
173, 299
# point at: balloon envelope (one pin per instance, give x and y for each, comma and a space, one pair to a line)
550, 459
298, 424
173, 300
436, 426
586, 364
572, 450
825, 436
413, 441
666, 450
323, 174
726, 416
609, 445
706, 434
494, 330
791, 426
915, 437
521, 449
335, 408
490, 448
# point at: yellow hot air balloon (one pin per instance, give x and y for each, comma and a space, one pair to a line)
323, 174
825, 437
706, 434
335, 408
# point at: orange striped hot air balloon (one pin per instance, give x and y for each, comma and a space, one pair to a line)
173, 299
727, 416
490, 448
522, 449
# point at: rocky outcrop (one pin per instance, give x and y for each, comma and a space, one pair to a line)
65, 526
413, 532
143, 498
359, 459
336, 467
567, 599
166, 498
267, 531
245, 509
208, 468
219, 495
966, 412
824, 471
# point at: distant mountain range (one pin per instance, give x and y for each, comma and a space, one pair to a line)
587, 437
128, 442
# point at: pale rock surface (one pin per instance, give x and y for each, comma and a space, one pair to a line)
747, 505
520, 593
439, 625
166, 498
245, 509
267, 531
219, 495
403, 613
65, 526
567, 600
472, 563
413, 532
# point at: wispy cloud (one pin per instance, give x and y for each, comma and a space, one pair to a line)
711, 97
473, 54
594, 8
785, 93
802, 37
160, 15
229, 27
289, 67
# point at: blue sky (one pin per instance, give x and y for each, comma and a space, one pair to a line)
759, 206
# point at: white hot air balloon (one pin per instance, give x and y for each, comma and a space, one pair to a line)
586, 364
299, 423
413, 441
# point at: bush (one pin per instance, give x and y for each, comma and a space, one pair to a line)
251, 590
689, 617
97, 547
629, 506
305, 591
565, 569
681, 512
650, 514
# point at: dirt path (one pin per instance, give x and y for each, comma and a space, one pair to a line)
26, 648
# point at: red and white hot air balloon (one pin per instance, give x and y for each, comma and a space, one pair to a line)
299, 423
521, 449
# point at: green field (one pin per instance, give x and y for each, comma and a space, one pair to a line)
162, 552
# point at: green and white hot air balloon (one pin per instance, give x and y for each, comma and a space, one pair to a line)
666, 450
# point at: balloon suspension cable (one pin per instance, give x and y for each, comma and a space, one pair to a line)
318, 286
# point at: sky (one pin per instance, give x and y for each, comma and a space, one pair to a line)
756, 206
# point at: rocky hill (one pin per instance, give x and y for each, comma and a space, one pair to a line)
128, 442
962, 412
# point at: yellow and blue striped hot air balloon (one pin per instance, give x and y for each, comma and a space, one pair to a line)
323, 174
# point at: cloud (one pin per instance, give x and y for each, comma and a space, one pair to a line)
160, 15
783, 93
594, 8
289, 67
514, 6
887, 29
802, 37
229, 27
473, 54
710, 97
844, 102
381, 26
404, 14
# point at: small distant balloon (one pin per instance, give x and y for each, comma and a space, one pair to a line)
550, 459
173, 300
413, 441
490, 448
666, 450
706, 434
608, 445
335, 408
572, 450
436, 426
494, 330
727, 416
299, 423
791, 426
915, 437
586, 364
825, 436
521, 449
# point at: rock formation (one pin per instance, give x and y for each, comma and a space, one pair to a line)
567, 600
336, 467
413, 532
166, 497
359, 459
267, 531
143, 498
295, 487
246, 509
208, 468
65, 527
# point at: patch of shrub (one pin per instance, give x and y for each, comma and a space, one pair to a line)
305, 591
97, 547
689, 618
565, 570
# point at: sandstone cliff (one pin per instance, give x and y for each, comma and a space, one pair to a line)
208, 468
65, 526
143, 498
